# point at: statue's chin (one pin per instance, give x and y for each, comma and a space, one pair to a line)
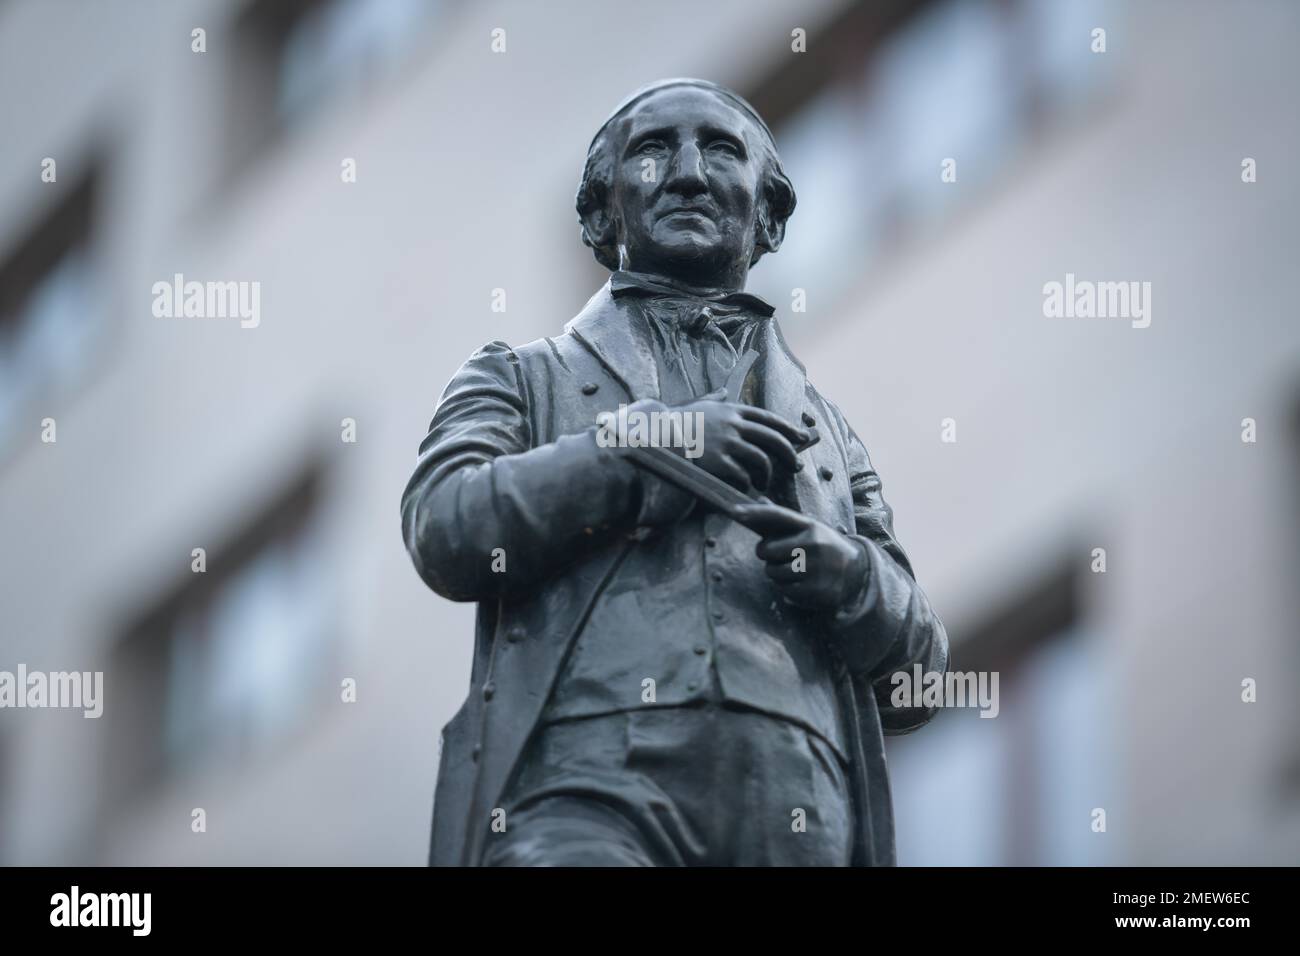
689, 248
687, 255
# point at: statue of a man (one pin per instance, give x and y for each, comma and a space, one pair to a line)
659, 680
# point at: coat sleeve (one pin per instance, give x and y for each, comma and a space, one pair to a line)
487, 514
889, 626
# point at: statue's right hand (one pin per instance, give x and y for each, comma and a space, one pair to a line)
741, 444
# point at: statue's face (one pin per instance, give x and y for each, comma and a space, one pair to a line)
688, 213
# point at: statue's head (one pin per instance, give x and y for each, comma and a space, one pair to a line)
684, 181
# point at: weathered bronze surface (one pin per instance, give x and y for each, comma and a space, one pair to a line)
679, 661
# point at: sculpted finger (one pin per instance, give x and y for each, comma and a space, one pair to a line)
771, 441
754, 461
731, 471
780, 550
772, 420
773, 521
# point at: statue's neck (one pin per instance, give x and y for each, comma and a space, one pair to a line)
699, 286
677, 284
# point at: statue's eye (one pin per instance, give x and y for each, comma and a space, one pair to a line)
726, 146
650, 146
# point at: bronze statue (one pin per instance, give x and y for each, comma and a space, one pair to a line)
684, 647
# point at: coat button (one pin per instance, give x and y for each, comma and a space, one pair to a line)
710, 542
717, 575
590, 388
473, 754
489, 689
701, 649
808, 419
798, 464
827, 474
515, 634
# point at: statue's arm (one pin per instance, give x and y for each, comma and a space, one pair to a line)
486, 514
890, 613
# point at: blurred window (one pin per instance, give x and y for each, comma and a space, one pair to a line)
943, 88
897, 88
243, 664
339, 46
50, 316
294, 56
1018, 788
1062, 700
948, 794
233, 660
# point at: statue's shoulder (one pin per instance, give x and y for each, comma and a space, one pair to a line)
564, 349
599, 307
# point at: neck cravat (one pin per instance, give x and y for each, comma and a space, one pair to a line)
697, 339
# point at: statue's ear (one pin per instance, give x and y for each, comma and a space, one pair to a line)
768, 232
773, 211
598, 229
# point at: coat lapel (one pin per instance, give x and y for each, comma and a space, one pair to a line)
614, 331
782, 379
783, 389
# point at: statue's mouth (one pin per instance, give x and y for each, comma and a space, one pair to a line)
696, 211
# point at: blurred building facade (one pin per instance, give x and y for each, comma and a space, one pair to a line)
391, 172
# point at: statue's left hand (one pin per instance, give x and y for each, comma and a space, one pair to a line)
812, 564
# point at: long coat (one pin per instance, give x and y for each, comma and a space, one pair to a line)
510, 463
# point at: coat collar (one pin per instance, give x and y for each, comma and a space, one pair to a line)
613, 329
623, 283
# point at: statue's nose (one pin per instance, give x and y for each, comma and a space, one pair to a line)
687, 173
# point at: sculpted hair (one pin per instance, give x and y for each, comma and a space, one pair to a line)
776, 201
